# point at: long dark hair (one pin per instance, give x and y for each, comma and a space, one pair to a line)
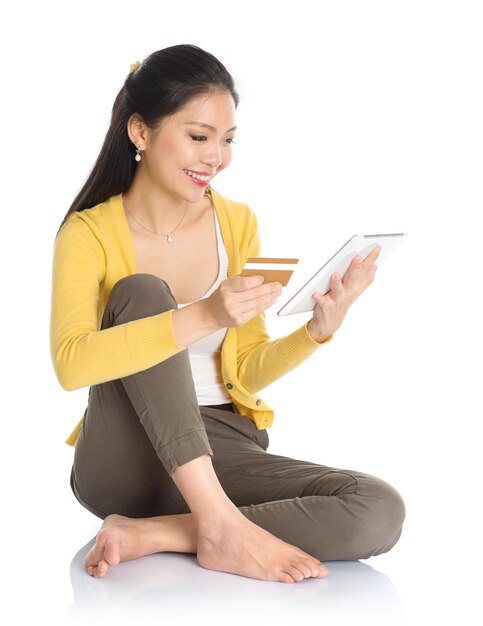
162, 84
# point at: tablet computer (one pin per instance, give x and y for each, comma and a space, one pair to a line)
358, 245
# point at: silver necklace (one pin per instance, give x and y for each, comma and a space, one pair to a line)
169, 236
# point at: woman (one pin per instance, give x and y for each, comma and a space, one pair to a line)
150, 311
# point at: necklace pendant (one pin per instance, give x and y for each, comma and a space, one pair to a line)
169, 239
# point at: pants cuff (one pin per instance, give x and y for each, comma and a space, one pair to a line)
184, 449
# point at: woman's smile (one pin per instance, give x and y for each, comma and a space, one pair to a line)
200, 178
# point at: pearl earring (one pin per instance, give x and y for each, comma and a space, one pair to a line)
138, 154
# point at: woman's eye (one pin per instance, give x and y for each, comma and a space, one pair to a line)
230, 141
198, 138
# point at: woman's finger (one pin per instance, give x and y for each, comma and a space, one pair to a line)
353, 272
369, 278
336, 286
371, 257
372, 273
360, 270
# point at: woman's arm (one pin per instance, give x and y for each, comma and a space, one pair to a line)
81, 354
262, 361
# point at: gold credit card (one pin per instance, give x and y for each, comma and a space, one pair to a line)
272, 269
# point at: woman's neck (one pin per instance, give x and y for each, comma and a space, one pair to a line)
157, 209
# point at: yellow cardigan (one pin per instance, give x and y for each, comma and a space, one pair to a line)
92, 251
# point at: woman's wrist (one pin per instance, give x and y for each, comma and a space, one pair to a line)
315, 336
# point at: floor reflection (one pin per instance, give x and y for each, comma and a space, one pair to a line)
171, 586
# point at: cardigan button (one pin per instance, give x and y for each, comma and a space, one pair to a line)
259, 402
229, 386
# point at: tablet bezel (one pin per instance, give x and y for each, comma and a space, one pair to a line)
359, 244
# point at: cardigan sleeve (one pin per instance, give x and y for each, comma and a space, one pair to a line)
81, 353
261, 361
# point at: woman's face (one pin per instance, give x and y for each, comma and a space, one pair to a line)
192, 146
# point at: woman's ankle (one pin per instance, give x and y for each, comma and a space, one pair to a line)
216, 522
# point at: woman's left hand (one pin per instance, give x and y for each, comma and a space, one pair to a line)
332, 307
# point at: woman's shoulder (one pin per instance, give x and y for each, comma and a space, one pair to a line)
95, 219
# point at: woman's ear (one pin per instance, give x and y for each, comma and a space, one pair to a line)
137, 130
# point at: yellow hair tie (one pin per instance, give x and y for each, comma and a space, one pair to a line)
134, 66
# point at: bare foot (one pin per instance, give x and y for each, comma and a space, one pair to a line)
230, 543
234, 544
124, 538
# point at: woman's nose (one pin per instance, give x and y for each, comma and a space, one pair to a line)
212, 156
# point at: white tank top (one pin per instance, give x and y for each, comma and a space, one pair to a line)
205, 354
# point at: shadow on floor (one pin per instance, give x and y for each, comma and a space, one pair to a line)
173, 588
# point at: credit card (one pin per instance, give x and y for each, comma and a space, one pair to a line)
271, 268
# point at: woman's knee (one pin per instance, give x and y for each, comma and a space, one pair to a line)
136, 296
385, 512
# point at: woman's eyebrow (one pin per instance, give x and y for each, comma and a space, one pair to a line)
208, 126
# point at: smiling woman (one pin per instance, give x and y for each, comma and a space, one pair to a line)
150, 309
173, 154
153, 91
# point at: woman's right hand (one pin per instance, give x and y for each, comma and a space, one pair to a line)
238, 299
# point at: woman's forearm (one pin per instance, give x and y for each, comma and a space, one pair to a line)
193, 322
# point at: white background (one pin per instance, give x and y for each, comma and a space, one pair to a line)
355, 116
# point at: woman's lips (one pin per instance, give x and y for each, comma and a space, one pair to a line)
202, 180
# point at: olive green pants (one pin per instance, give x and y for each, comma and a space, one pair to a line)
138, 429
